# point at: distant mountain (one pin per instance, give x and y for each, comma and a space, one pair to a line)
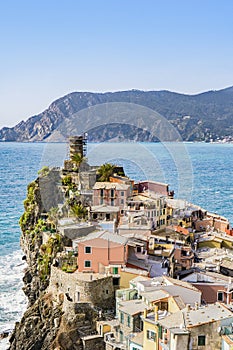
202, 117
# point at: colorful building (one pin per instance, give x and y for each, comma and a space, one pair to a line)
111, 193
102, 252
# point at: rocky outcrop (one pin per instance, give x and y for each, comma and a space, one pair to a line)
52, 320
43, 194
56, 325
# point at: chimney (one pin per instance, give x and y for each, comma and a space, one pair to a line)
188, 307
196, 305
156, 312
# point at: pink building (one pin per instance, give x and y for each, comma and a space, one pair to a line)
111, 193
101, 252
155, 187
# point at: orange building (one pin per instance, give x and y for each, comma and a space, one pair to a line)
102, 252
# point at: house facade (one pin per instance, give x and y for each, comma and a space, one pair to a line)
111, 193
102, 252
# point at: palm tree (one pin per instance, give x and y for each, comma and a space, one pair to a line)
79, 211
105, 171
77, 158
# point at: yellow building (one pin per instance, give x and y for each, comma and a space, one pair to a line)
150, 330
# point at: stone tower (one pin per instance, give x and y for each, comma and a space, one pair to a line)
78, 145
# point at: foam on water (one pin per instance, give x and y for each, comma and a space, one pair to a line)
13, 301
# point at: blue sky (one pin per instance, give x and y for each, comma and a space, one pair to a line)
50, 48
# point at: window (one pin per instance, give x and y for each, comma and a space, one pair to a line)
122, 194
220, 296
121, 317
128, 321
115, 270
160, 332
112, 193
87, 250
106, 291
122, 201
151, 335
116, 281
121, 336
201, 340
112, 202
101, 192
87, 263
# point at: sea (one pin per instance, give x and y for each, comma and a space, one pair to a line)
200, 173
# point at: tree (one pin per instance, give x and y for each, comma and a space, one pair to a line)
77, 159
105, 171
79, 211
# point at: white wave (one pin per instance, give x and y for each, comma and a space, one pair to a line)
13, 301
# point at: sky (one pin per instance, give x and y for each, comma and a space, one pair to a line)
50, 48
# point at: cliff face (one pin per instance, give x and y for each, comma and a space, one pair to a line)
52, 320
43, 194
201, 117
55, 324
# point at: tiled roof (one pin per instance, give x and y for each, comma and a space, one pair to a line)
103, 208
132, 307
180, 283
110, 185
107, 236
195, 317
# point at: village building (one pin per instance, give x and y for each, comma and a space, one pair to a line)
214, 239
101, 252
147, 209
153, 187
111, 193
104, 212
144, 295
183, 213
192, 328
211, 220
213, 286
133, 231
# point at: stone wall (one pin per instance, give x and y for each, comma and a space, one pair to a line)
92, 342
83, 287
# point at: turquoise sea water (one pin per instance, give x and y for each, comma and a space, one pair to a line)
198, 172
